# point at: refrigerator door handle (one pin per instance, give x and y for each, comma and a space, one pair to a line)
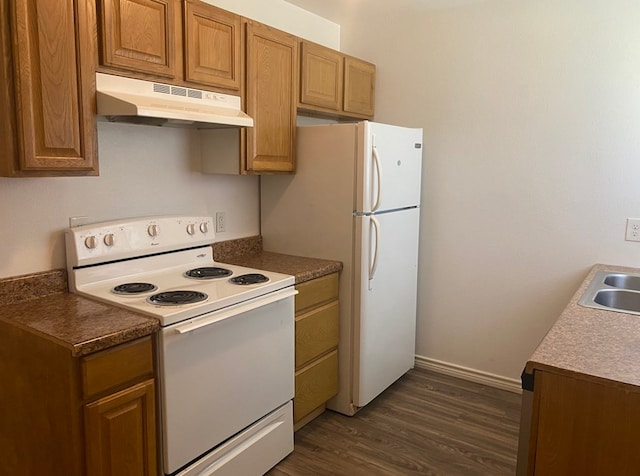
376, 163
374, 226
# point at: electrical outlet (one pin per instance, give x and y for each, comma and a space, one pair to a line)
633, 229
221, 222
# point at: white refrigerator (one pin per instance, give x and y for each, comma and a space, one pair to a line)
355, 198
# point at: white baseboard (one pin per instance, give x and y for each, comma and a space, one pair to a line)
465, 373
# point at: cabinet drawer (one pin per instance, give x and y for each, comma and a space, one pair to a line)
317, 291
118, 366
316, 333
315, 384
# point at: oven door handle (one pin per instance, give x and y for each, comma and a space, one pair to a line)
229, 313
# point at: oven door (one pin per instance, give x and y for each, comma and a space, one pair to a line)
223, 371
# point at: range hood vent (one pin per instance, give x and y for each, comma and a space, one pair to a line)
146, 102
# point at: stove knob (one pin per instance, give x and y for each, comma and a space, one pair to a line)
90, 242
191, 229
109, 239
204, 227
153, 230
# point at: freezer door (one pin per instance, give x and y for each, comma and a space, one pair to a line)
385, 305
389, 167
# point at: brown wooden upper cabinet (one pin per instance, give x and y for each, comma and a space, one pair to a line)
47, 125
321, 76
175, 41
359, 87
335, 84
271, 92
212, 46
141, 35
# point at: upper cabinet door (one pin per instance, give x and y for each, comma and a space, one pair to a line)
54, 83
142, 36
212, 46
321, 75
272, 71
359, 87
335, 85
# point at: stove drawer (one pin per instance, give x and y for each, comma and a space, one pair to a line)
117, 367
253, 451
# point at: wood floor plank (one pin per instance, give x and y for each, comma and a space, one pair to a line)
424, 424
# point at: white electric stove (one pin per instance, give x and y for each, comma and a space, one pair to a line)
226, 347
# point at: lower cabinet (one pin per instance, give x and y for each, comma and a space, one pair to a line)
317, 322
119, 432
119, 414
582, 425
76, 416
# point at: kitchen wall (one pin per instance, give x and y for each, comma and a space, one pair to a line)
531, 117
144, 170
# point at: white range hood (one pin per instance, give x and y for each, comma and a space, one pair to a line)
147, 102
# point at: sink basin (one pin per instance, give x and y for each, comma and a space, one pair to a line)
619, 299
613, 291
623, 281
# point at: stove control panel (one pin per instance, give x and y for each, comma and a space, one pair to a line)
122, 239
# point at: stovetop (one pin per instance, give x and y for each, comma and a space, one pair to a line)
99, 283
165, 282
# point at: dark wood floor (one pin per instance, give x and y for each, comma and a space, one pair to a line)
425, 423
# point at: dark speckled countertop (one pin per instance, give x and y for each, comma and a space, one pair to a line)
248, 252
40, 303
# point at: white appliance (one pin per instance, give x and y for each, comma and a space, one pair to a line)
226, 347
123, 99
355, 198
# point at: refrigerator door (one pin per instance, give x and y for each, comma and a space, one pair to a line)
385, 308
389, 167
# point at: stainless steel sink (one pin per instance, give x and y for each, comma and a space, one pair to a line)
613, 291
619, 299
623, 281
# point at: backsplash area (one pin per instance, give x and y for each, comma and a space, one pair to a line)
32, 286
144, 170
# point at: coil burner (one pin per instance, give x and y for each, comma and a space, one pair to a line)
208, 272
177, 298
251, 278
134, 288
